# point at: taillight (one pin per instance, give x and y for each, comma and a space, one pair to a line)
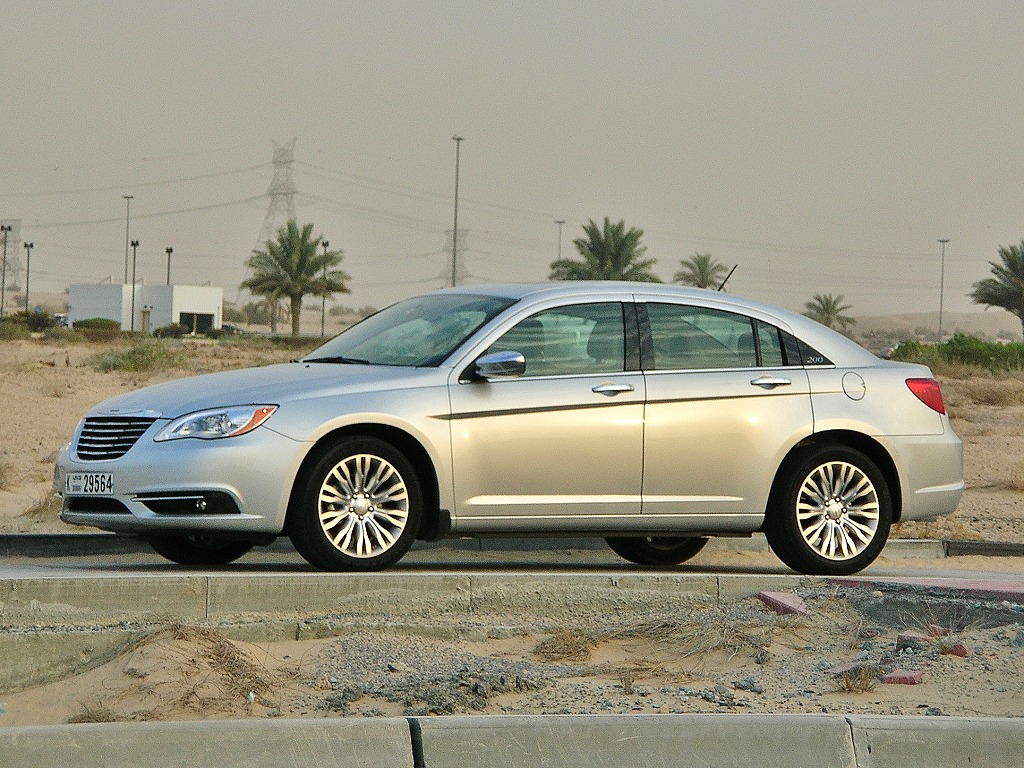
928, 392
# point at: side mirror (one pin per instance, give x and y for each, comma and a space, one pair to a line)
501, 365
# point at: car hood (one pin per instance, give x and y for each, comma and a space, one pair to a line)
271, 385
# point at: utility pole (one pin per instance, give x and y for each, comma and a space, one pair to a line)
28, 271
559, 222
323, 299
942, 286
455, 228
169, 252
5, 228
135, 249
127, 222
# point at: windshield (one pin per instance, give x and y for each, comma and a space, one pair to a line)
421, 331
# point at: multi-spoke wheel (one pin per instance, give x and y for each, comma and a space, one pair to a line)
657, 550
832, 514
199, 548
360, 507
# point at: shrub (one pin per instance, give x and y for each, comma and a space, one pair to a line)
172, 331
960, 353
145, 355
99, 328
10, 331
60, 333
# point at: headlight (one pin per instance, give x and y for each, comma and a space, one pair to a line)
217, 422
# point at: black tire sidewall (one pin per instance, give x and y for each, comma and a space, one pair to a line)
783, 531
643, 552
182, 549
308, 535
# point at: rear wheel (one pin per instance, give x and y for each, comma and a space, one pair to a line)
657, 550
360, 507
199, 549
832, 515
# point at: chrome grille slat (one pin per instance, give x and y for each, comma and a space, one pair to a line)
109, 437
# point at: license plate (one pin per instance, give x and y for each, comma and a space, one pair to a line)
88, 483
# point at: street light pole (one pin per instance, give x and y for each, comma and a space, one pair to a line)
169, 252
127, 220
559, 222
455, 227
323, 299
942, 284
135, 248
6, 228
28, 271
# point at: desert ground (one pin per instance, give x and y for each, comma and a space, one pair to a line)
525, 650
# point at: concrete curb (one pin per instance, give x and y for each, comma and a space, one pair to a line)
557, 741
45, 545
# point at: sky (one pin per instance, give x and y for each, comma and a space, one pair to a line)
821, 147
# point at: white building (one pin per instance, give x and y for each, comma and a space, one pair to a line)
197, 307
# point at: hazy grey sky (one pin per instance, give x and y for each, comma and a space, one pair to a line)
823, 147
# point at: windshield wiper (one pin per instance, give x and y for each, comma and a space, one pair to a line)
338, 359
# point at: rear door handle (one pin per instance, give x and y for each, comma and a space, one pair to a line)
610, 390
771, 382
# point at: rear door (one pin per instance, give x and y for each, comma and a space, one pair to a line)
723, 409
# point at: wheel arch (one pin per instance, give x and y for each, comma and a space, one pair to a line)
856, 440
411, 448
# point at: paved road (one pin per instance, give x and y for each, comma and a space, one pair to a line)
76, 557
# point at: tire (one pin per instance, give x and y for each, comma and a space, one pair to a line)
359, 508
657, 550
831, 515
199, 549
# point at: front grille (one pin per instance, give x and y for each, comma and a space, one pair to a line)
109, 437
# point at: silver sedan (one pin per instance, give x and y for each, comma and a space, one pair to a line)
649, 415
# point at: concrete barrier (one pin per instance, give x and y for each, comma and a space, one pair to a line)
640, 741
562, 741
382, 743
937, 742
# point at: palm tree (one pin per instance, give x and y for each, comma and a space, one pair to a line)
828, 310
292, 266
702, 271
609, 253
1006, 289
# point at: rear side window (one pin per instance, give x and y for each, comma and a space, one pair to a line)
687, 337
769, 344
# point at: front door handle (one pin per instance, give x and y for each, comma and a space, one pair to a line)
771, 382
611, 390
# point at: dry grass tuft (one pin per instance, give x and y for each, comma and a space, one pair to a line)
47, 509
861, 679
566, 645
94, 712
1003, 391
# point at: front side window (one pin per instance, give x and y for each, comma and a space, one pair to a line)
575, 339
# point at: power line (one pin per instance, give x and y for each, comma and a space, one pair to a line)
155, 215
133, 185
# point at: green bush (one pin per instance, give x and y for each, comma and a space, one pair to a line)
147, 355
171, 331
10, 330
964, 350
60, 333
98, 329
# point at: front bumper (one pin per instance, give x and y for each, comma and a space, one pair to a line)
244, 484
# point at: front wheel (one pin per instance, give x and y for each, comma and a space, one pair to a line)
831, 515
657, 550
359, 509
199, 549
